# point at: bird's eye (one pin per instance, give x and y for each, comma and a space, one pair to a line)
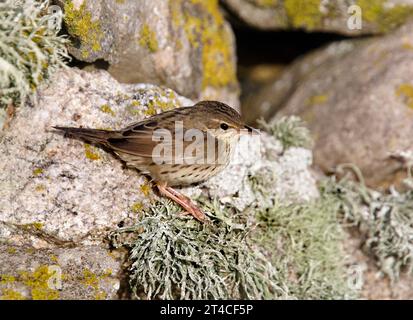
224, 126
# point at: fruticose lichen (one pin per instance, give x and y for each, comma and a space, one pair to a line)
176, 257
290, 131
384, 218
30, 51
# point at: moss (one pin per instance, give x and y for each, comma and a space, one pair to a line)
90, 152
374, 11
147, 38
80, 25
317, 99
405, 90
304, 14
107, 109
9, 294
37, 281
204, 27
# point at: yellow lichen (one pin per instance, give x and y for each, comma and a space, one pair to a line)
92, 280
147, 38
304, 14
137, 207
90, 152
317, 99
9, 294
11, 250
38, 282
205, 29
107, 109
40, 188
37, 172
266, 3
145, 189
405, 90
375, 11
5, 278
80, 25
34, 226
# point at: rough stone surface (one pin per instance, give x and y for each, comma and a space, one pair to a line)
285, 174
378, 16
60, 273
59, 191
63, 187
184, 45
358, 103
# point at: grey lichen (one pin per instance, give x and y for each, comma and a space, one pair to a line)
30, 51
305, 242
176, 257
384, 218
290, 131
271, 252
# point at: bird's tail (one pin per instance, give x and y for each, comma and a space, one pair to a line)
91, 135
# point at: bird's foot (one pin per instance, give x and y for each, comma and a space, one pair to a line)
182, 200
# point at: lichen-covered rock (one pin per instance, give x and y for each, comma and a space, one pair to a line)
378, 16
184, 45
59, 191
282, 174
60, 273
357, 100
51, 185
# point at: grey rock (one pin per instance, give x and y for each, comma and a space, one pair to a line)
357, 99
378, 16
186, 46
88, 272
55, 191
69, 191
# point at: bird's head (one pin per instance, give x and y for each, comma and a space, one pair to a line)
222, 121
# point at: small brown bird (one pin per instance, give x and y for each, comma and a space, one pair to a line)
179, 147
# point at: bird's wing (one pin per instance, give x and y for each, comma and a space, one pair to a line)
150, 140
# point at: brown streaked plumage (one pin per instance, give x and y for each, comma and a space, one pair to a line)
216, 123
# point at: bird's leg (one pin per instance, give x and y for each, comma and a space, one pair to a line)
182, 200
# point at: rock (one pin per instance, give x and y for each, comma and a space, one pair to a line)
60, 273
378, 16
63, 190
357, 99
285, 174
58, 191
184, 45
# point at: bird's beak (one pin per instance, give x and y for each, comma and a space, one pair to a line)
251, 130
